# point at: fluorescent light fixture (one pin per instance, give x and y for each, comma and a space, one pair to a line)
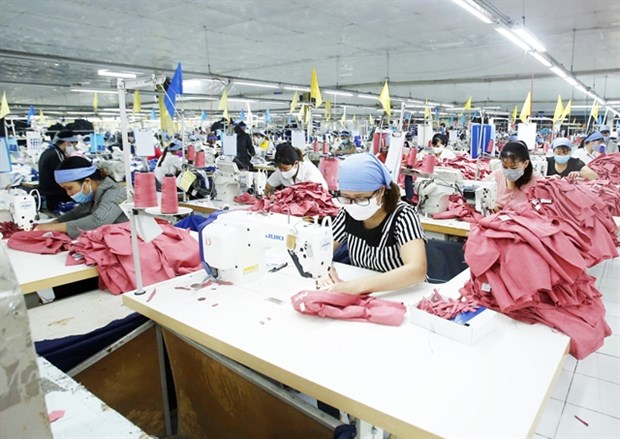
512, 37
447, 106
241, 100
295, 88
613, 102
581, 88
363, 96
558, 71
530, 39
89, 90
433, 103
572, 81
106, 72
474, 10
541, 59
415, 101
338, 93
275, 102
257, 84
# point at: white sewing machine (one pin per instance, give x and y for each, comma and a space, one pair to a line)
253, 182
18, 206
234, 245
115, 169
480, 194
434, 191
226, 181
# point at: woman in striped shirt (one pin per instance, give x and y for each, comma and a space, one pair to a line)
382, 233
98, 197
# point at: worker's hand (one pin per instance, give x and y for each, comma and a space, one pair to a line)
573, 175
356, 287
332, 278
47, 226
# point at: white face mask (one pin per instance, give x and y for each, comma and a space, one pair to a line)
362, 213
290, 173
69, 150
437, 149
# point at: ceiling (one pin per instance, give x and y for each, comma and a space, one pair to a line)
429, 49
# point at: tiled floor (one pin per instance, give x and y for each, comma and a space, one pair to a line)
585, 402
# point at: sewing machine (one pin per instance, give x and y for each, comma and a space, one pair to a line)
480, 194
115, 169
18, 206
226, 181
233, 246
434, 191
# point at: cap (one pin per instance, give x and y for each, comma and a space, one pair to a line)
66, 136
562, 142
594, 136
345, 133
175, 145
604, 128
241, 124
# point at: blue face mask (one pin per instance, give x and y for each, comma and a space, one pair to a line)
561, 159
512, 174
80, 198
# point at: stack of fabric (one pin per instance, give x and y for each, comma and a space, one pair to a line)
171, 254
529, 262
472, 169
607, 192
40, 242
459, 208
302, 199
607, 166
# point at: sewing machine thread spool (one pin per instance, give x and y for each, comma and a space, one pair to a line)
191, 153
411, 158
200, 159
329, 167
428, 164
316, 145
169, 199
145, 194
325, 148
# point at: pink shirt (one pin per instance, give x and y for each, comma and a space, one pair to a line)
507, 197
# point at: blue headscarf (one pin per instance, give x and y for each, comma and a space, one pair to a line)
76, 174
363, 173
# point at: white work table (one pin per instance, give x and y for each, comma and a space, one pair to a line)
36, 272
207, 205
406, 380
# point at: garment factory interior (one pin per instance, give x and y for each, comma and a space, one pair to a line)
310, 219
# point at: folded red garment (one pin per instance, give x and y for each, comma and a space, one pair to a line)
244, 198
607, 166
349, 307
39, 241
459, 208
8, 228
302, 199
171, 254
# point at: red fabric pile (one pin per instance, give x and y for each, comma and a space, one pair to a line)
607, 166
171, 254
468, 167
526, 266
580, 214
458, 208
447, 309
349, 307
607, 192
302, 199
244, 198
41, 242
8, 228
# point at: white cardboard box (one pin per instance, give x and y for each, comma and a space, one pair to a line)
475, 329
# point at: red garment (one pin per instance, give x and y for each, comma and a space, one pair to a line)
447, 308
171, 254
531, 267
40, 241
459, 208
472, 169
607, 192
244, 198
8, 228
301, 199
349, 307
607, 167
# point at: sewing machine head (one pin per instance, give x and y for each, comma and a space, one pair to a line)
233, 246
480, 194
226, 181
20, 206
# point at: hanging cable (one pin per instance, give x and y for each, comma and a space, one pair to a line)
207, 47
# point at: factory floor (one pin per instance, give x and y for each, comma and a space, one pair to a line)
585, 402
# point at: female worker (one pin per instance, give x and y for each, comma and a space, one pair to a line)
515, 177
590, 148
98, 198
561, 164
440, 148
291, 168
382, 233
169, 163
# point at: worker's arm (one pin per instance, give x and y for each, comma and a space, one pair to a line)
268, 189
588, 173
55, 226
413, 271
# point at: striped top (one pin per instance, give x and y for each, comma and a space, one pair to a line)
104, 209
378, 249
